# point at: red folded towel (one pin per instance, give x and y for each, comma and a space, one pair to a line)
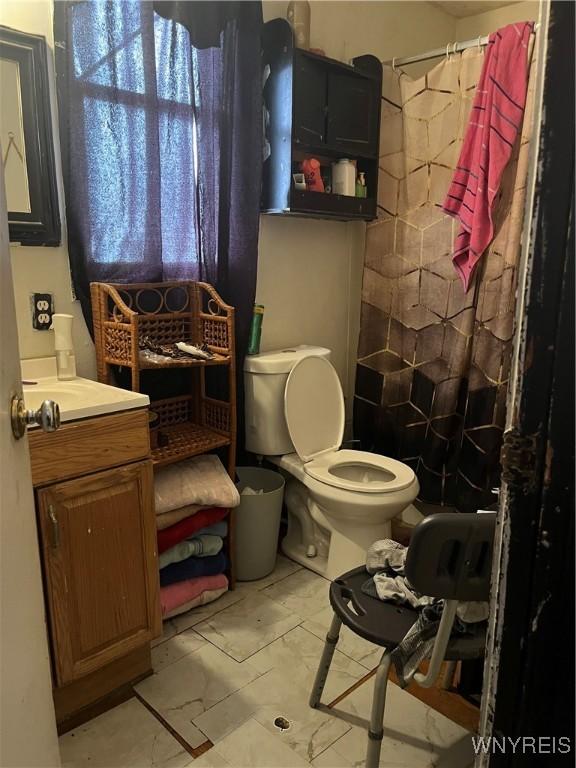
495, 121
171, 536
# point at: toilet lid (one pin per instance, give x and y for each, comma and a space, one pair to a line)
314, 407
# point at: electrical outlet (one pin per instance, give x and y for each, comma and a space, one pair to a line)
42, 311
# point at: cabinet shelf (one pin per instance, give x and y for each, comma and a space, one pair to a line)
322, 205
321, 108
325, 150
125, 315
181, 363
186, 440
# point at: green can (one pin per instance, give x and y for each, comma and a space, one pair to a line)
256, 329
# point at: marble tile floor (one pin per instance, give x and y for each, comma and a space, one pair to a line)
230, 690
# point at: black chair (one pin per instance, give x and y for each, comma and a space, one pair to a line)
449, 557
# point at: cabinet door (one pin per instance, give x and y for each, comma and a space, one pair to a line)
353, 104
100, 560
309, 118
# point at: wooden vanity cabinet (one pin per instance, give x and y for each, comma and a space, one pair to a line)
98, 550
99, 554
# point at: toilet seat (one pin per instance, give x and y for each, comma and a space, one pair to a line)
361, 471
314, 411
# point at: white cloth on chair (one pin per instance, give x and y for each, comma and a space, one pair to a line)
385, 560
386, 553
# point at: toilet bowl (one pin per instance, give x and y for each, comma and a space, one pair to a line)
338, 501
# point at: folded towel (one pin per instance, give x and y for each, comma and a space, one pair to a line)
201, 480
169, 537
166, 519
218, 529
176, 595
208, 596
192, 568
202, 545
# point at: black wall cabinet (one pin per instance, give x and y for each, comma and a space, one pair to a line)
322, 108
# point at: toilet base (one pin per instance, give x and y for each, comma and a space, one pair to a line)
344, 554
297, 551
326, 546
348, 548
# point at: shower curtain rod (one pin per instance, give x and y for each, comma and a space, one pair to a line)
448, 50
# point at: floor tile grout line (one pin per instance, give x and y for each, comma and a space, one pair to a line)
228, 696
253, 652
331, 745
210, 642
194, 751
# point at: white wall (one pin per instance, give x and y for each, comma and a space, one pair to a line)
494, 18
309, 271
45, 269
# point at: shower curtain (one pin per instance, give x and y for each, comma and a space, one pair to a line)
433, 361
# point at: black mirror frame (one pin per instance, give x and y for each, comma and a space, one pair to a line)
42, 225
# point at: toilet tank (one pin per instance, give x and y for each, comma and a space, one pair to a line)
265, 378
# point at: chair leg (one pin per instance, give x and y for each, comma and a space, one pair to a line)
325, 661
376, 732
448, 681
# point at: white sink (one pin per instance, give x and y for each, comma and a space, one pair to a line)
78, 398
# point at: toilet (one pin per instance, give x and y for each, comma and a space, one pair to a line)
339, 501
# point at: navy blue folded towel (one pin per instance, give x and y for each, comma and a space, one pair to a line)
193, 567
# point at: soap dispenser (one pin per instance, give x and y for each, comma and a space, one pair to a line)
65, 359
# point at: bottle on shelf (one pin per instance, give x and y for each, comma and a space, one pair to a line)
361, 190
344, 177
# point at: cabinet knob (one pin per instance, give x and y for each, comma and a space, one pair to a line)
47, 416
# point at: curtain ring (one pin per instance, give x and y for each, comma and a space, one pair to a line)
394, 64
479, 45
448, 51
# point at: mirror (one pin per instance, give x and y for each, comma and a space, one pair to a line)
26, 140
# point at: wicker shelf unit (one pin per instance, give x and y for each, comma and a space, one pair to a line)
125, 314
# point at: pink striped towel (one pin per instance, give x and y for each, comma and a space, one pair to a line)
495, 121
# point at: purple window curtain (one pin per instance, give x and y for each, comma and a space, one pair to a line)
161, 145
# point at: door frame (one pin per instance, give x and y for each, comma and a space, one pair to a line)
529, 672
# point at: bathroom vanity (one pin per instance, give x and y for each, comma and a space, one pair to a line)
95, 505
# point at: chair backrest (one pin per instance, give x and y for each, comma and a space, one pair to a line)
450, 555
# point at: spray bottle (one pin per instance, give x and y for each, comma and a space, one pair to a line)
65, 359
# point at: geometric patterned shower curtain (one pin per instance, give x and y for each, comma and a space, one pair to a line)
433, 361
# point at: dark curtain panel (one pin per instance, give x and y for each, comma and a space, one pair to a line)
161, 145
205, 21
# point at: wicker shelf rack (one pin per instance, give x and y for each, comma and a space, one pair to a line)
126, 314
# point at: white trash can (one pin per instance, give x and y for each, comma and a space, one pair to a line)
257, 522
